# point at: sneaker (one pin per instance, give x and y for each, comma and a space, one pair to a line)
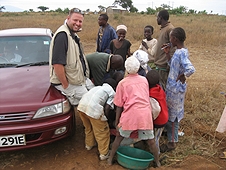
180, 133
104, 157
88, 148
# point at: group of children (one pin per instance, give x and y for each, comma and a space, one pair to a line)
141, 106
122, 46
134, 113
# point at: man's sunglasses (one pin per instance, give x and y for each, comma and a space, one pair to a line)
76, 10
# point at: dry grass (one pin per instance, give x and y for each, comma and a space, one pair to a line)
202, 30
206, 43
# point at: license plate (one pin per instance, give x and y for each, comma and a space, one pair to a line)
12, 140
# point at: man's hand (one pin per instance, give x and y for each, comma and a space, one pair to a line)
60, 72
182, 78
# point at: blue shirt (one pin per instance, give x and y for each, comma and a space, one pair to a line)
108, 35
175, 90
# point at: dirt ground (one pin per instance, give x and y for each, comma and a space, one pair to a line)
70, 153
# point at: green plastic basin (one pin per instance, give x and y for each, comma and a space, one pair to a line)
133, 158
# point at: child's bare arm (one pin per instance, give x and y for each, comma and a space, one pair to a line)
129, 53
118, 115
107, 110
166, 48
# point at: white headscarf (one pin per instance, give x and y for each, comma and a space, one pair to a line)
123, 27
142, 57
132, 65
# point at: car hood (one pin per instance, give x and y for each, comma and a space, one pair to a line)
26, 89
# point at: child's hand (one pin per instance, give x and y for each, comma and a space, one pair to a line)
182, 78
166, 48
144, 44
117, 133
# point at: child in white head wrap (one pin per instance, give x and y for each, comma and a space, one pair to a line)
132, 65
121, 27
142, 57
121, 45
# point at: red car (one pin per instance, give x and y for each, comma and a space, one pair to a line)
32, 112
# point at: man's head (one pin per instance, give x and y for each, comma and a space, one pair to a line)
75, 19
162, 16
9, 49
153, 78
116, 62
102, 20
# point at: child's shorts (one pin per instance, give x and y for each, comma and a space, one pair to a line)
142, 134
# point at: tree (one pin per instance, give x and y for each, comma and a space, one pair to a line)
102, 8
150, 11
159, 9
1, 8
165, 6
31, 10
179, 10
127, 4
66, 10
202, 12
43, 8
133, 9
192, 11
59, 10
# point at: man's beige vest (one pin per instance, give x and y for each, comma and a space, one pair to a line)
73, 68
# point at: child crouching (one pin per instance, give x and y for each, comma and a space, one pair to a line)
93, 109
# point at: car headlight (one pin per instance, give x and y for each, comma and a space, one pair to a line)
51, 110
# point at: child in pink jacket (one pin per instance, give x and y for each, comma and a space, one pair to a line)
133, 111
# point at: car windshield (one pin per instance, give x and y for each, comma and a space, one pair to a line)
24, 50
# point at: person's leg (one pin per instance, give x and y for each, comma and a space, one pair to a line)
120, 134
89, 139
172, 133
102, 135
114, 148
158, 134
148, 135
74, 93
154, 151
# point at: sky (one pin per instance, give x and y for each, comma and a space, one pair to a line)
216, 6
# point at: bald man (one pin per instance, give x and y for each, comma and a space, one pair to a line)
103, 66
